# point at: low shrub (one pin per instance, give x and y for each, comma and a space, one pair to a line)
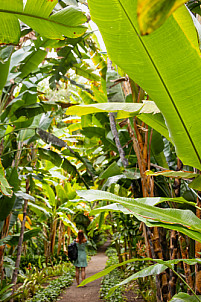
54, 289
36, 279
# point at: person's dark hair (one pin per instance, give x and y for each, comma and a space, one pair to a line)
80, 236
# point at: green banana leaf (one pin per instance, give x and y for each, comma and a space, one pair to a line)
174, 174
148, 112
195, 184
104, 107
155, 269
155, 121
85, 71
50, 155
32, 62
39, 209
50, 194
111, 170
5, 57
5, 188
116, 207
6, 202
185, 219
166, 64
67, 22
13, 239
123, 110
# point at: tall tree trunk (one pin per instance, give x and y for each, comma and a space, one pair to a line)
19, 248
68, 231
159, 278
142, 150
174, 236
53, 236
187, 268
4, 233
117, 140
173, 255
60, 236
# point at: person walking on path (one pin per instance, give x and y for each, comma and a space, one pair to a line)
81, 261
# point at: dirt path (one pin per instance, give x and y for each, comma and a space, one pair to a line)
90, 293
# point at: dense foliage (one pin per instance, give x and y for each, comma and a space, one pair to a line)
54, 289
107, 142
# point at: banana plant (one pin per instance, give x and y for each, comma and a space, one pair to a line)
158, 63
57, 209
145, 210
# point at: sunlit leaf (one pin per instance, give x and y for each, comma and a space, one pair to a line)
67, 22
5, 188
147, 62
153, 13
185, 218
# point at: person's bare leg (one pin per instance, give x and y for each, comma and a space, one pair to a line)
77, 273
83, 274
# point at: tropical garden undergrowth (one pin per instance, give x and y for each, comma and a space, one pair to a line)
101, 139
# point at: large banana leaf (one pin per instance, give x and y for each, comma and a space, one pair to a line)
195, 184
123, 110
186, 220
148, 112
104, 107
67, 22
166, 64
155, 269
115, 207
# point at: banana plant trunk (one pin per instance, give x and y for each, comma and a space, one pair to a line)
174, 237
2, 248
173, 255
187, 267
53, 236
19, 248
142, 150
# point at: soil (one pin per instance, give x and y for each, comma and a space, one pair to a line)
131, 295
90, 293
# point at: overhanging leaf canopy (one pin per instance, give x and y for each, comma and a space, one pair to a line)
165, 64
67, 22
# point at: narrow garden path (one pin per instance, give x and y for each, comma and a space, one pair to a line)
90, 293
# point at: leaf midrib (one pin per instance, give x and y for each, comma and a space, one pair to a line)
162, 81
39, 17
